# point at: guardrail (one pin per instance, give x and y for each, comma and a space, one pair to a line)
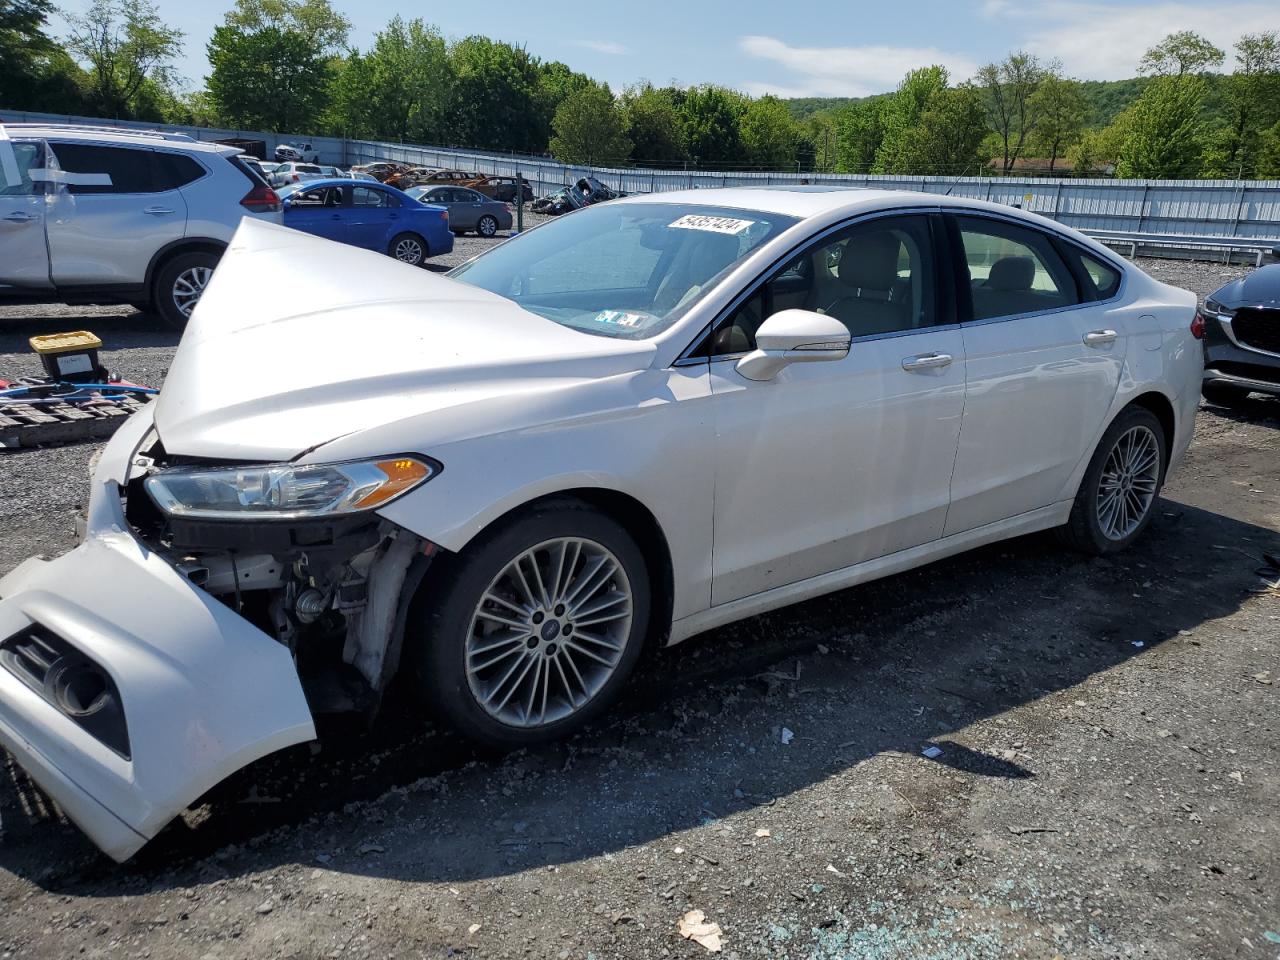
1194, 213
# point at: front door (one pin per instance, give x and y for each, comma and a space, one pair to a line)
111, 215
24, 258
1044, 364
321, 211
830, 464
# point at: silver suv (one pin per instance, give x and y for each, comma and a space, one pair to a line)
107, 215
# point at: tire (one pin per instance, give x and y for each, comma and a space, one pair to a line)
408, 248
1110, 511
461, 655
179, 284
1224, 395
487, 226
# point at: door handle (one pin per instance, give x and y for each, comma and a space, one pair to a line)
19, 216
1100, 338
335, 216
157, 211
927, 361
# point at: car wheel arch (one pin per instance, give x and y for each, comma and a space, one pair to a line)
177, 248
1161, 407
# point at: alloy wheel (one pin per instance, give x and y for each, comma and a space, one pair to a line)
408, 250
487, 227
1128, 484
549, 632
188, 286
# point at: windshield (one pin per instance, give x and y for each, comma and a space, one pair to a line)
626, 270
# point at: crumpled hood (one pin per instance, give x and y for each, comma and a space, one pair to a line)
299, 340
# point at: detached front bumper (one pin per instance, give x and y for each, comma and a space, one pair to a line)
202, 691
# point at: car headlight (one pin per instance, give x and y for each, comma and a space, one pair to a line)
285, 491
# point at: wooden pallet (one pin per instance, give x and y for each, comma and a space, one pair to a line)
25, 425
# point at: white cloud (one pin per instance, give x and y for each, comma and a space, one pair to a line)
1105, 42
845, 71
603, 46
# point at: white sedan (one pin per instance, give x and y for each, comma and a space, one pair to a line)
646, 419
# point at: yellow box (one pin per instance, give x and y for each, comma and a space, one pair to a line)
64, 342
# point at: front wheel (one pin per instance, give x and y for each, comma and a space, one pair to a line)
179, 286
534, 628
487, 227
408, 248
1118, 493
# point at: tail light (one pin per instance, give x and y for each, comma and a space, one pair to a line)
444, 215
1197, 326
261, 199
510, 208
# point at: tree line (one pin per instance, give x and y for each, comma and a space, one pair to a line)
287, 66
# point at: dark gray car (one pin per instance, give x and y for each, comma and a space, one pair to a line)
468, 210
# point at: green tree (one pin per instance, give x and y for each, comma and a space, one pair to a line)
819, 142
1059, 109
1250, 105
495, 104
860, 130
407, 82
654, 125
947, 139
1163, 133
712, 116
1268, 163
902, 113
316, 20
589, 127
1179, 54
1008, 90
125, 45
271, 78
768, 134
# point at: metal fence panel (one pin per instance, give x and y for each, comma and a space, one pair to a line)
1188, 208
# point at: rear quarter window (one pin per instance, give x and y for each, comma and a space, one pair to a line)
174, 170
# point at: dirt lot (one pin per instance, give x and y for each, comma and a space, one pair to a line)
1108, 783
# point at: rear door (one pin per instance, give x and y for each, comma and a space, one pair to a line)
464, 212
1044, 364
113, 211
372, 214
24, 258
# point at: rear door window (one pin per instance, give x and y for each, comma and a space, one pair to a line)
1100, 281
93, 169
1012, 270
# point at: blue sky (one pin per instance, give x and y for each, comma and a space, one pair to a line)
789, 49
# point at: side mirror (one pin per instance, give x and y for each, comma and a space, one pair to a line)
794, 336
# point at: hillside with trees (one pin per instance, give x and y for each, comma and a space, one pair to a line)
289, 66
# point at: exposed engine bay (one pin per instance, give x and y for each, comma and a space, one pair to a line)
333, 590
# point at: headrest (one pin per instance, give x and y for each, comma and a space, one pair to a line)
871, 261
1012, 273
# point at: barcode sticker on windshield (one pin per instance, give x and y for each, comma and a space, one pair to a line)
697, 221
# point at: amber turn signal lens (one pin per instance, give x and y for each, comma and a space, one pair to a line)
401, 475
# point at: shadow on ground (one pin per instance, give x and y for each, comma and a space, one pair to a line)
902, 662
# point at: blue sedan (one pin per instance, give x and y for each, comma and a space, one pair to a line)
369, 215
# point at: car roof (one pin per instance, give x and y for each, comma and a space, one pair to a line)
119, 135
807, 201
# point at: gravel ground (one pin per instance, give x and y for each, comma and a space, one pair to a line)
1107, 786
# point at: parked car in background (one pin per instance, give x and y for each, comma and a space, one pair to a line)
584, 192
381, 169
503, 188
500, 488
369, 215
468, 210
450, 178
293, 172
138, 217
304, 153
360, 175
1242, 338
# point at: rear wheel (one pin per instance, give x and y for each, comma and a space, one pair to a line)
1118, 493
1224, 395
408, 248
487, 227
534, 628
180, 284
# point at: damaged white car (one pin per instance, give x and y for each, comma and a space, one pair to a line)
648, 418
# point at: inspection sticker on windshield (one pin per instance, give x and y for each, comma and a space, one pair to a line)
696, 221
621, 318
